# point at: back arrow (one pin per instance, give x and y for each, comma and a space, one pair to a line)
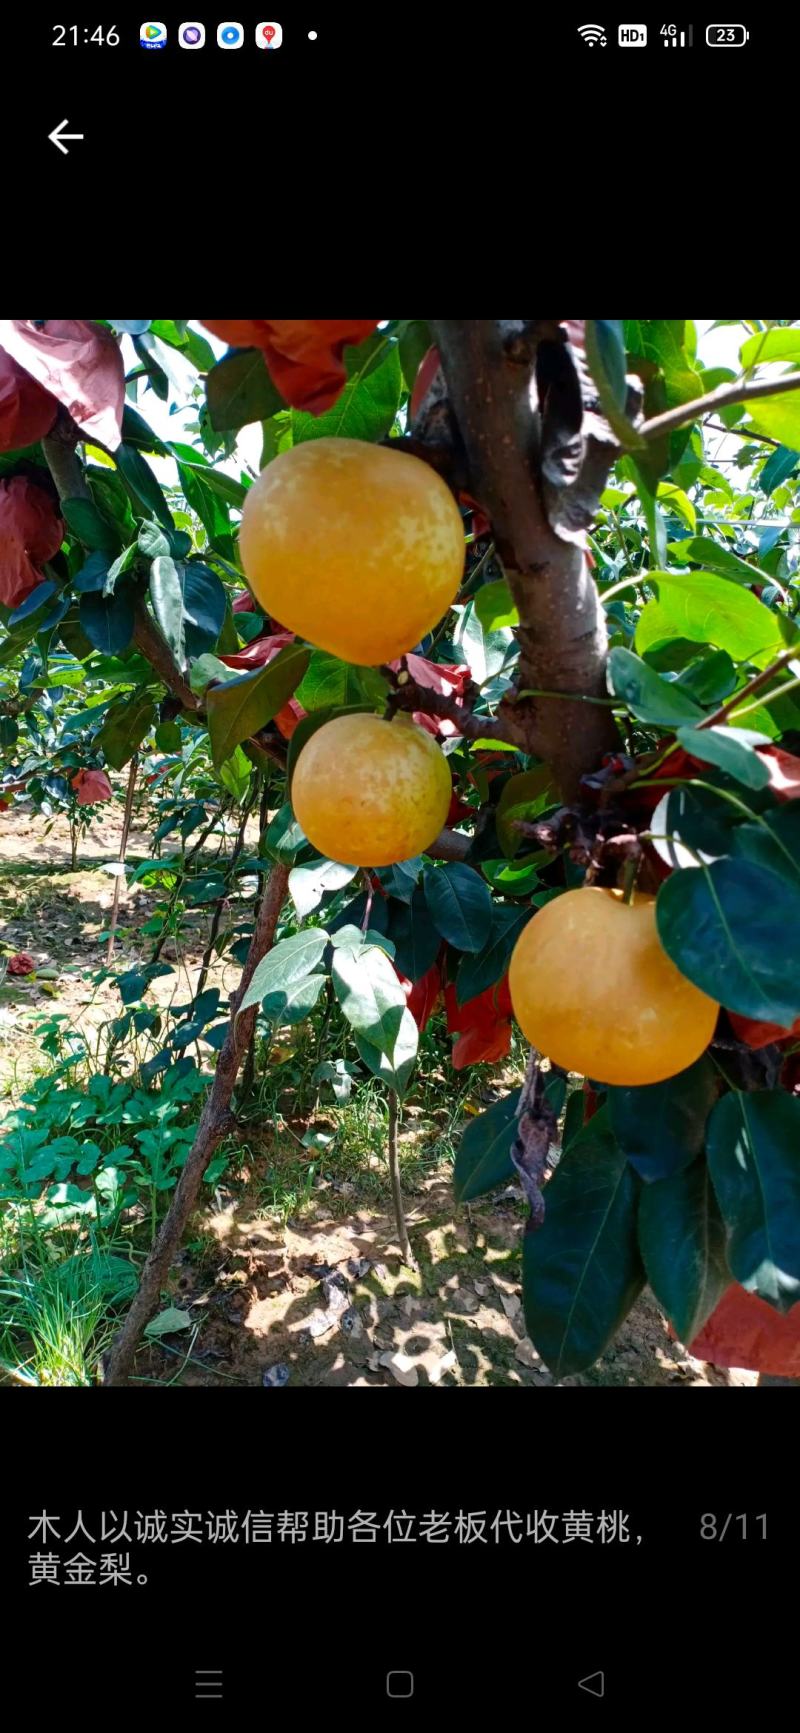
58, 135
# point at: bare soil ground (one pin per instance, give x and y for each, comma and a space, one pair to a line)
322, 1298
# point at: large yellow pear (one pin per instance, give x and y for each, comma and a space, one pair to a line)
593, 989
370, 792
358, 548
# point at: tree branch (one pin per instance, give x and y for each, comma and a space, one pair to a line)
562, 631
686, 413
215, 1122
412, 696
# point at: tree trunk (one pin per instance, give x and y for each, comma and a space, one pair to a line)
216, 1121
562, 630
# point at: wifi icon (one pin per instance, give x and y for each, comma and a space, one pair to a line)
592, 33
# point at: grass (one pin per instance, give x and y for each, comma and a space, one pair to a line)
58, 1315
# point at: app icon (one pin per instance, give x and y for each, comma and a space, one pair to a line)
268, 36
153, 35
191, 35
230, 36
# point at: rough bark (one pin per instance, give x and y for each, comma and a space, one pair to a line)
216, 1121
126, 825
562, 632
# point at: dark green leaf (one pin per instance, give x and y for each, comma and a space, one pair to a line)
661, 1126
239, 390
605, 353
460, 905
731, 749
126, 724
734, 930
414, 343
141, 484
485, 967
682, 1240
210, 508
108, 620
775, 843
753, 1143
582, 1269
292, 1004
710, 679
240, 707
135, 431
524, 797
289, 961
646, 694
400, 880
189, 604
168, 737
37, 599
92, 575
413, 935
216, 481
84, 519
484, 1154
780, 464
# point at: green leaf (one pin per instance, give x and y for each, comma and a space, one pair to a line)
702, 551
125, 726
369, 994
782, 343
211, 510
753, 1141
484, 652
675, 500
367, 406
605, 354
331, 684
708, 610
142, 485
582, 1269
235, 774
731, 749
514, 878
460, 905
289, 961
661, 1126
665, 344
284, 840
414, 342
92, 575
734, 930
169, 737
108, 620
646, 694
413, 934
495, 606
152, 541
135, 431
168, 1321
481, 970
484, 1153
84, 519
309, 884
523, 798
189, 604
294, 1003
232, 491
777, 418
240, 707
393, 1068
206, 669
682, 1241
239, 390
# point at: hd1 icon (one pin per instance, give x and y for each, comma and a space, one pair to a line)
632, 35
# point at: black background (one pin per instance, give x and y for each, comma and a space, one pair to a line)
311, 1631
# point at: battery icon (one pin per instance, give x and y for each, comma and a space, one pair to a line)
727, 35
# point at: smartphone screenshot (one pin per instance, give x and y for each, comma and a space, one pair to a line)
399, 991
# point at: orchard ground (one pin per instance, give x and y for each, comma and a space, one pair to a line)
292, 1262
